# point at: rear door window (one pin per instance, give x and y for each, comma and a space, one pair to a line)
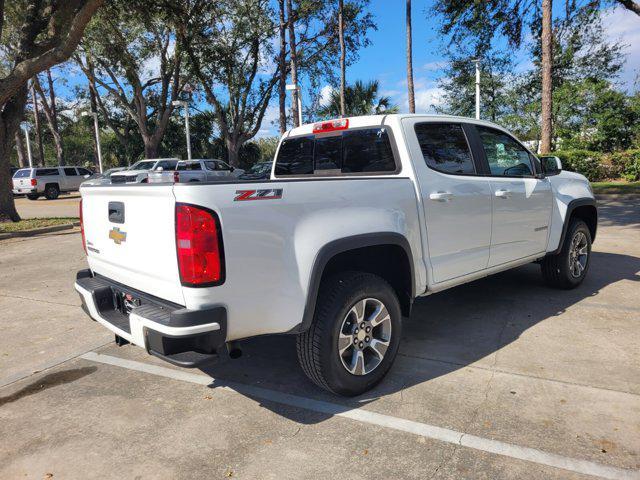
84, 171
366, 150
70, 172
166, 165
444, 148
45, 172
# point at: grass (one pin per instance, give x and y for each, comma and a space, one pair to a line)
33, 223
616, 186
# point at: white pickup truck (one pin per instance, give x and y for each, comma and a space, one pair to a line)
359, 217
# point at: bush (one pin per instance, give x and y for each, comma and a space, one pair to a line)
585, 162
626, 164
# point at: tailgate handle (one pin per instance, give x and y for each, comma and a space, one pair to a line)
116, 212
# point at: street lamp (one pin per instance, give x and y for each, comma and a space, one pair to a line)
182, 103
97, 132
477, 62
296, 88
25, 127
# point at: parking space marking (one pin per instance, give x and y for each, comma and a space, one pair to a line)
381, 420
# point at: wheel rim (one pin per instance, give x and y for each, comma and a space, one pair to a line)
365, 336
578, 254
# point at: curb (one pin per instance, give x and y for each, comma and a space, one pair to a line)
39, 231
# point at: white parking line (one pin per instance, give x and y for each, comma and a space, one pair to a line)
365, 416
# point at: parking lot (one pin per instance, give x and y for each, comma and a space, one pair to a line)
64, 206
500, 378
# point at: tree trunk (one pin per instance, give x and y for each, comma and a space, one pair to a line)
55, 130
36, 123
10, 118
233, 152
412, 97
343, 72
282, 63
150, 147
94, 108
631, 6
23, 161
294, 63
547, 85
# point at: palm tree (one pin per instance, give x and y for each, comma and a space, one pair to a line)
343, 55
412, 97
547, 85
360, 99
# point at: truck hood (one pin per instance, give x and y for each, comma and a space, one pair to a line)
126, 173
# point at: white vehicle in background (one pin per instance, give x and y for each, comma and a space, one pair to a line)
359, 217
139, 171
48, 181
198, 170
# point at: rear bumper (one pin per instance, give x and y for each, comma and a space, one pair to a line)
24, 191
187, 338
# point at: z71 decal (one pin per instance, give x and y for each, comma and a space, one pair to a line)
262, 194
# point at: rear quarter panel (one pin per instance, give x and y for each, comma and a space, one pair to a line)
270, 245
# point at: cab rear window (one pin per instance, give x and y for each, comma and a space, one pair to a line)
22, 173
352, 151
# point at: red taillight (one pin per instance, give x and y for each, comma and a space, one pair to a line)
176, 177
331, 125
34, 182
199, 246
84, 240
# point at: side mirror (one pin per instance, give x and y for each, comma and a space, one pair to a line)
232, 168
551, 165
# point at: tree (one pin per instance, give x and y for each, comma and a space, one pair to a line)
293, 47
360, 99
282, 65
412, 96
132, 52
227, 45
51, 113
35, 35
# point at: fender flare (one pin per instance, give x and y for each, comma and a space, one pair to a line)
341, 245
573, 204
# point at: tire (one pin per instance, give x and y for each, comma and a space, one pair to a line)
340, 301
569, 267
51, 192
33, 196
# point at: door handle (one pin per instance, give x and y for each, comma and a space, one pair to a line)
441, 196
503, 193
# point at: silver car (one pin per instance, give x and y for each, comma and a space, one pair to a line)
48, 181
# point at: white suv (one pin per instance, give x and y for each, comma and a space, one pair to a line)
48, 181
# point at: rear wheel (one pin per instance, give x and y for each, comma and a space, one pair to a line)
354, 337
569, 267
51, 192
33, 196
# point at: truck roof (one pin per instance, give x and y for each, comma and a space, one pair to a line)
379, 120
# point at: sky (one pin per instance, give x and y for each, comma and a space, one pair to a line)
384, 60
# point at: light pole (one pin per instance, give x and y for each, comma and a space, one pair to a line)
477, 62
182, 103
298, 93
25, 127
97, 132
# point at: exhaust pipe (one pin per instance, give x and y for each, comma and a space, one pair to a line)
234, 350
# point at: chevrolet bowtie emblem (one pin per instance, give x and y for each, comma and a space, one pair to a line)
117, 236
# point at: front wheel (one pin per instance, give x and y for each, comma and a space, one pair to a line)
354, 337
569, 267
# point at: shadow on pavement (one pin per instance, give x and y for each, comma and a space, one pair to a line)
455, 328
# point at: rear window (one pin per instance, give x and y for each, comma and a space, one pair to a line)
189, 166
44, 172
444, 148
354, 151
22, 173
70, 171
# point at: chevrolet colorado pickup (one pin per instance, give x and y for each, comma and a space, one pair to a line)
359, 217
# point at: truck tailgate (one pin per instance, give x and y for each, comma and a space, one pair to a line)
130, 235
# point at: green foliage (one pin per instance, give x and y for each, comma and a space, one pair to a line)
360, 99
627, 164
267, 147
582, 161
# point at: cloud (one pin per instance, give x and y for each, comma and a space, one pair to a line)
325, 95
623, 26
433, 66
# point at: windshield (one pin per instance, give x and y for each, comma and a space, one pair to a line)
261, 167
22, 173
143, 165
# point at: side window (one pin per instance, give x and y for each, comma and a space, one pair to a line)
223, 166
166, 165
84, 171
444, 148
70, 172
295, 156
505, 155
210, 165
47, 172
195, 166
